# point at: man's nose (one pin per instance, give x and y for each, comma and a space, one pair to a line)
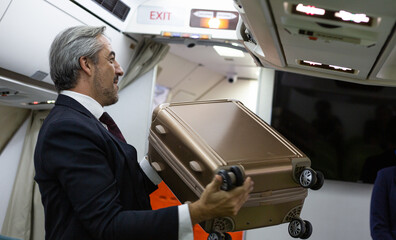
118, 69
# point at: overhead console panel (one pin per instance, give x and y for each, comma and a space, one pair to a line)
185, 19
23, 92
343, 40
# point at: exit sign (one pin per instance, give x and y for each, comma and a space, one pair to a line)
161, 15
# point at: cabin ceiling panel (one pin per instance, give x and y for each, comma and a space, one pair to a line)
3, 7
200, 80
29, 35
173, 69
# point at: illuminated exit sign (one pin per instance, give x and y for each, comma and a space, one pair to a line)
161, 15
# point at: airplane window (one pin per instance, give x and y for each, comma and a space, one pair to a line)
348, 130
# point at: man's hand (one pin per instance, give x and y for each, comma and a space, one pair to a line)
218, 203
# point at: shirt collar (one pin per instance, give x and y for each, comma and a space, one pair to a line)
89, 103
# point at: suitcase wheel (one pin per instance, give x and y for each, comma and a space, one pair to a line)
231, 178
239, 179
227, 182
311, 179
319, 181
307, 178
300, 229
219, 236
308, 230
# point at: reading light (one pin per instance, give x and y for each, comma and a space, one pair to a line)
310, 10
186, 35
39, 103
340, 68
327, 66
195, 36
167, 34
347, 16
339, 15
214, 23
312, 63
228, 52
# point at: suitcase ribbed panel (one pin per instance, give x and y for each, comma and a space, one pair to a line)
174, 163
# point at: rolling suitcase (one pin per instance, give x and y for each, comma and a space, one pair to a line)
190, 142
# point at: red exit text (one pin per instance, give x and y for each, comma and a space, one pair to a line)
154, 15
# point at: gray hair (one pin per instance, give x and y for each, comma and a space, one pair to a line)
66, 50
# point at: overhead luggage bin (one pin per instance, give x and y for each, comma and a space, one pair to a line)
343, 40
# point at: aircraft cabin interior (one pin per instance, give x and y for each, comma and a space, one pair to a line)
321, 73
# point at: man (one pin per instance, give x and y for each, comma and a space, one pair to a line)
383, 205
91, 184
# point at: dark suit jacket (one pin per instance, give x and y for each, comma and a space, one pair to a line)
91, 184
383, 205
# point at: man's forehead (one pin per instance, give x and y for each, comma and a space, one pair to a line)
107, 48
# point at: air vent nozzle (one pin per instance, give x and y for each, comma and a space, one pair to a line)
39, 75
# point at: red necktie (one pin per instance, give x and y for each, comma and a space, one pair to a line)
111, 126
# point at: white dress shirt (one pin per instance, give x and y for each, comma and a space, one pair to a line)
185, 226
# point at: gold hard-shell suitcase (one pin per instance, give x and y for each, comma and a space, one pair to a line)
190, 142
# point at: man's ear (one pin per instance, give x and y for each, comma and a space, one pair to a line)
86, 65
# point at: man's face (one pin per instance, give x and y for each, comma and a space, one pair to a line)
106, 74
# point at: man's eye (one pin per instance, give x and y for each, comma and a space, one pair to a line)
111, 60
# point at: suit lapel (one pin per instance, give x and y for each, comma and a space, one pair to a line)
67, 101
